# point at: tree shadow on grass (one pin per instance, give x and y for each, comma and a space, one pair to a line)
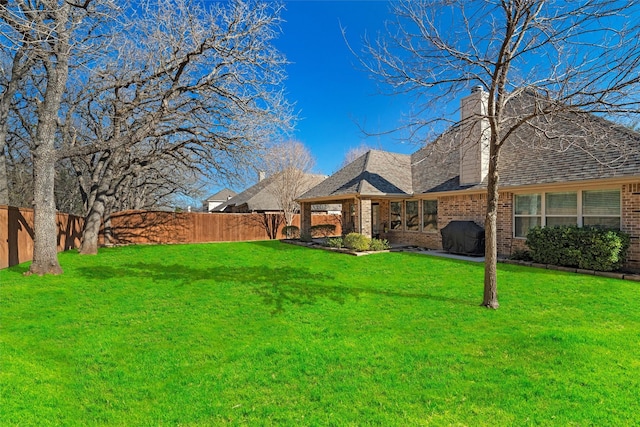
278, 287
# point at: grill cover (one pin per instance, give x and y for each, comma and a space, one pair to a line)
463, 237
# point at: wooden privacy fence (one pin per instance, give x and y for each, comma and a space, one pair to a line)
141, 227
16, 234
191, 227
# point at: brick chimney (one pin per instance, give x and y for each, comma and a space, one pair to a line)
474, 132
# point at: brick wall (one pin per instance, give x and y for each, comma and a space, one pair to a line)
468, 207
472, 207
631, 221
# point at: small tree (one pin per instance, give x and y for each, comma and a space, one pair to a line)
289, 164
578, 58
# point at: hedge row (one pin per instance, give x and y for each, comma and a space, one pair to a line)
582, 247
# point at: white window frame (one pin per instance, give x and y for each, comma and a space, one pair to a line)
579, 207
422, 215
540, 214
619, 216
404, 213
401, 228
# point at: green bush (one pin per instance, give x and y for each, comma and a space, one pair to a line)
588, 247
291, 232
322, 230
521, 255
379, 245
333, 242
357, 242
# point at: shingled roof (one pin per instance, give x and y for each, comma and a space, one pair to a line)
221, 195
375, 173
541, 152
260, 197
563, 148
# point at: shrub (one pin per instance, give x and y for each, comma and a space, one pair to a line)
521, 255
291, 232
322, 230
357, 242
333, 242
379, 245
588, 247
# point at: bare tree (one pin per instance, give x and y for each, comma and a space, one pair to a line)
52, 33
166, 82
288, 164
16, 63
193, 88
576, 58
353, 153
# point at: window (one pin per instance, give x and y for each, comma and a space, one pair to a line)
412, 219
395, 215
527, 213
593, 208
601, 208
561, 209
429, 215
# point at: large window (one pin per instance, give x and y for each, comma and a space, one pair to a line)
429, 215
596, 208
601, 208
395, 212
527, 213
561, 208
412, 219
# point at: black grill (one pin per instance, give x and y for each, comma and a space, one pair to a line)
463, 237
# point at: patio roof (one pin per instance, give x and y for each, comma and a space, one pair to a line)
375, 173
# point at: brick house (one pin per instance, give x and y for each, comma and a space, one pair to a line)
565, 169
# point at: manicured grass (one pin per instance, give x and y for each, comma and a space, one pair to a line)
270, 334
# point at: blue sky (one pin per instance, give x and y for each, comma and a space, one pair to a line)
333, 95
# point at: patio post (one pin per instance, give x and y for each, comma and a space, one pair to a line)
364, 214
305, 219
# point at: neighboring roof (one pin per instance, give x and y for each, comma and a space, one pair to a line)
375, 173
221, 196
259, 197
546, 151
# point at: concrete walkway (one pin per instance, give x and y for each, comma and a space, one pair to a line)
443, 254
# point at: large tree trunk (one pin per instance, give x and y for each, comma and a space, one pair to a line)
99, 195
490, 299
45, 242
45, 248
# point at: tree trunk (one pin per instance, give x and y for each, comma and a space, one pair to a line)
45, 248
490, 299
108, 231
4, 178
45, 242
91, 230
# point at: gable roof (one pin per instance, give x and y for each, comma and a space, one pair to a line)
221, 195
564, 148
260, 197
375, 173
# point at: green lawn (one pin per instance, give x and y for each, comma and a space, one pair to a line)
271, 334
